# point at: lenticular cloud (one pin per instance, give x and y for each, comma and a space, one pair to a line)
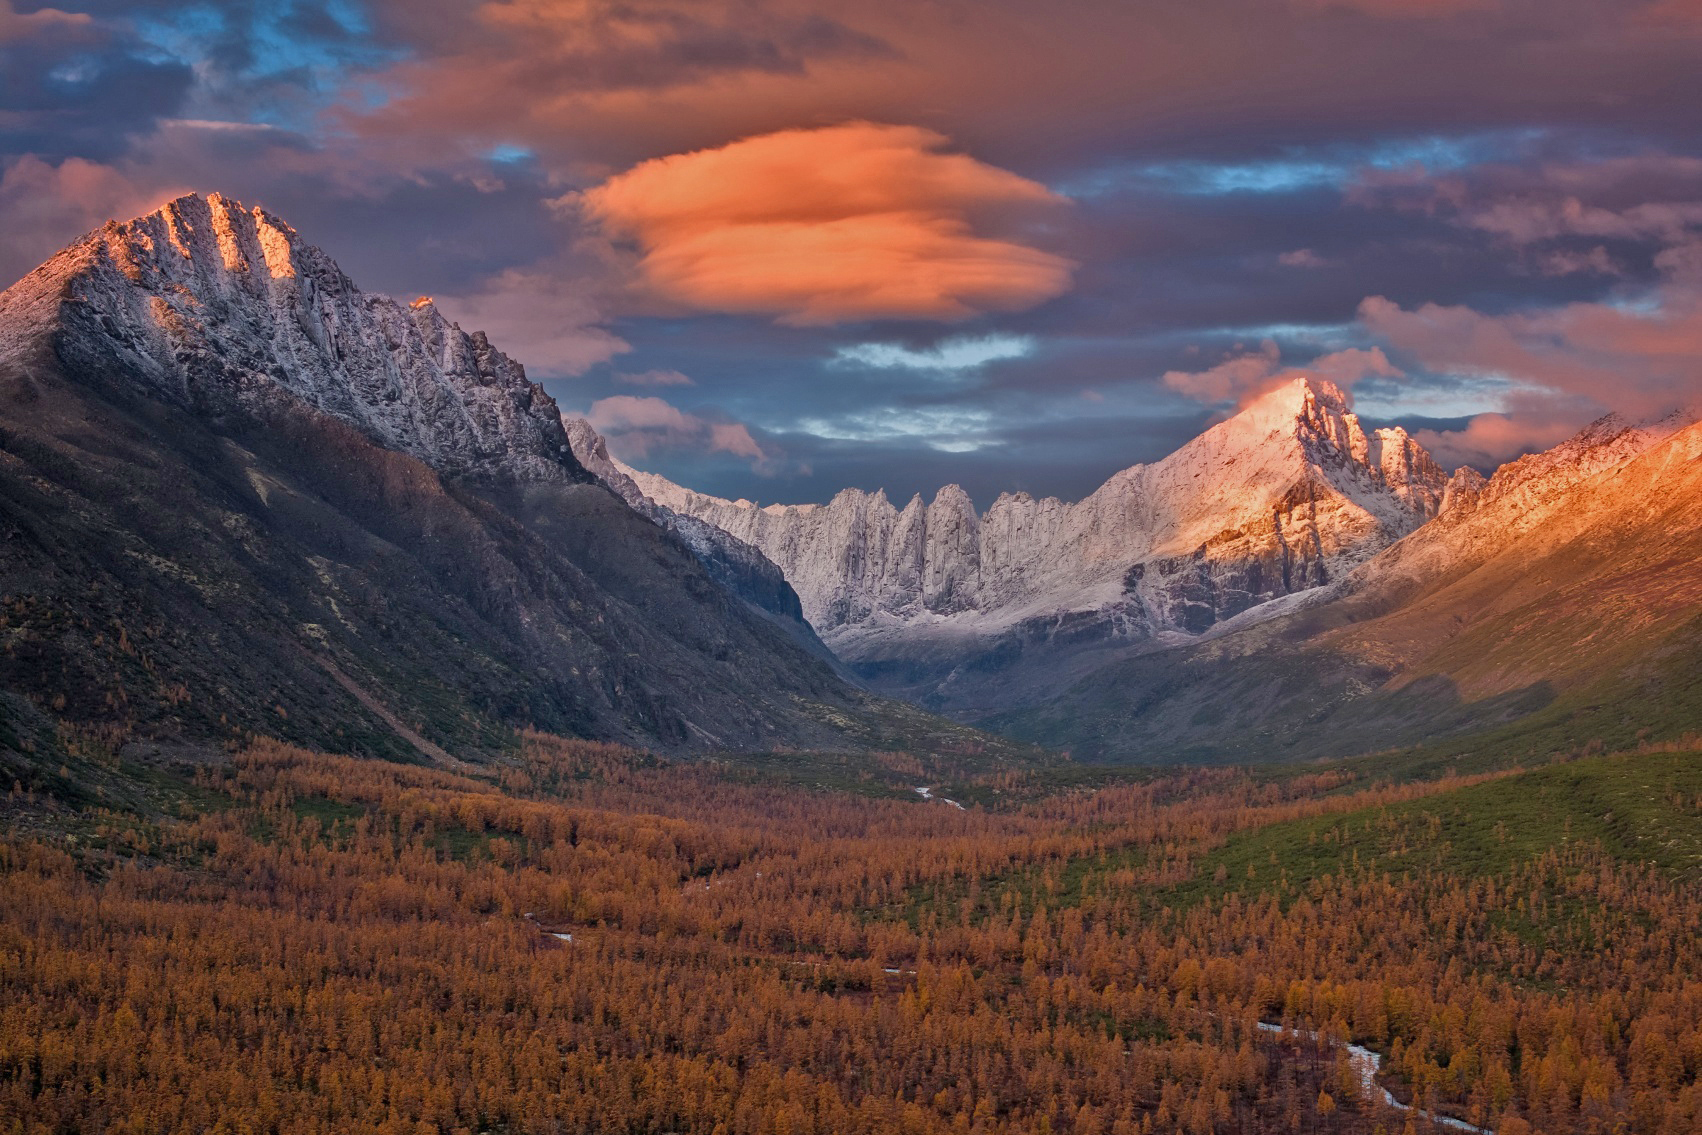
858, 221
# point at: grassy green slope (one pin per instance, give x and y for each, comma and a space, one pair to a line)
1639, 807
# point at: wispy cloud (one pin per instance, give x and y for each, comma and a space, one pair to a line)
636, 427
958, 354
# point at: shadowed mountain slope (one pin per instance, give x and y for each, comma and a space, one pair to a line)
238, 494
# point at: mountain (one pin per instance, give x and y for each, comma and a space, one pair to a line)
239, 495
733, 563
964, 611
1557, 606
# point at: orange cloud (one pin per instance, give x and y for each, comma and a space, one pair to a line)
859, 221
1245, 377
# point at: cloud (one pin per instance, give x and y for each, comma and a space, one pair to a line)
44, 206
963, 353
1401, 9
1488, 440
945, 429
15, 25
1529, 222
551, 325
1638, 360
852, 222
635, 427
1668, 14
75, 85
1302, 258
655, 378
1567, 262
1573, 362
1650, 198
1243, 378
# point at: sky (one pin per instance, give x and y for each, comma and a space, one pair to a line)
776, 248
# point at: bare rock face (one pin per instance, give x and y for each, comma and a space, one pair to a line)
937, 600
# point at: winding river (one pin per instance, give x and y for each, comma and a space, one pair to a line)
1366, 1064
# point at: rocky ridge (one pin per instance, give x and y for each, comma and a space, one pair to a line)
940, 601
216, 307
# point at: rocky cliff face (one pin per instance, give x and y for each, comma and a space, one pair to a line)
938, 600
240, 495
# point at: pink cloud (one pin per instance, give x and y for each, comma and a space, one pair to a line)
1528, 222
15, 25
637, 426
1245, 377
1488, 440
44, 207
1648, 198
1302, 258
1402, 9
543, 319
1573, 362
1670, 14
858, 221
1568, 262
1638, 361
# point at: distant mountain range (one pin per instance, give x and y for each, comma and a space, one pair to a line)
968, 612
239, 495
1286, 585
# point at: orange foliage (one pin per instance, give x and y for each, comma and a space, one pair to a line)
358, 946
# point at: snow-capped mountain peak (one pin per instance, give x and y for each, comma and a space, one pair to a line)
1280, 497
213, 301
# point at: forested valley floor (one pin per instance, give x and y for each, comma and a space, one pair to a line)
587, 939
